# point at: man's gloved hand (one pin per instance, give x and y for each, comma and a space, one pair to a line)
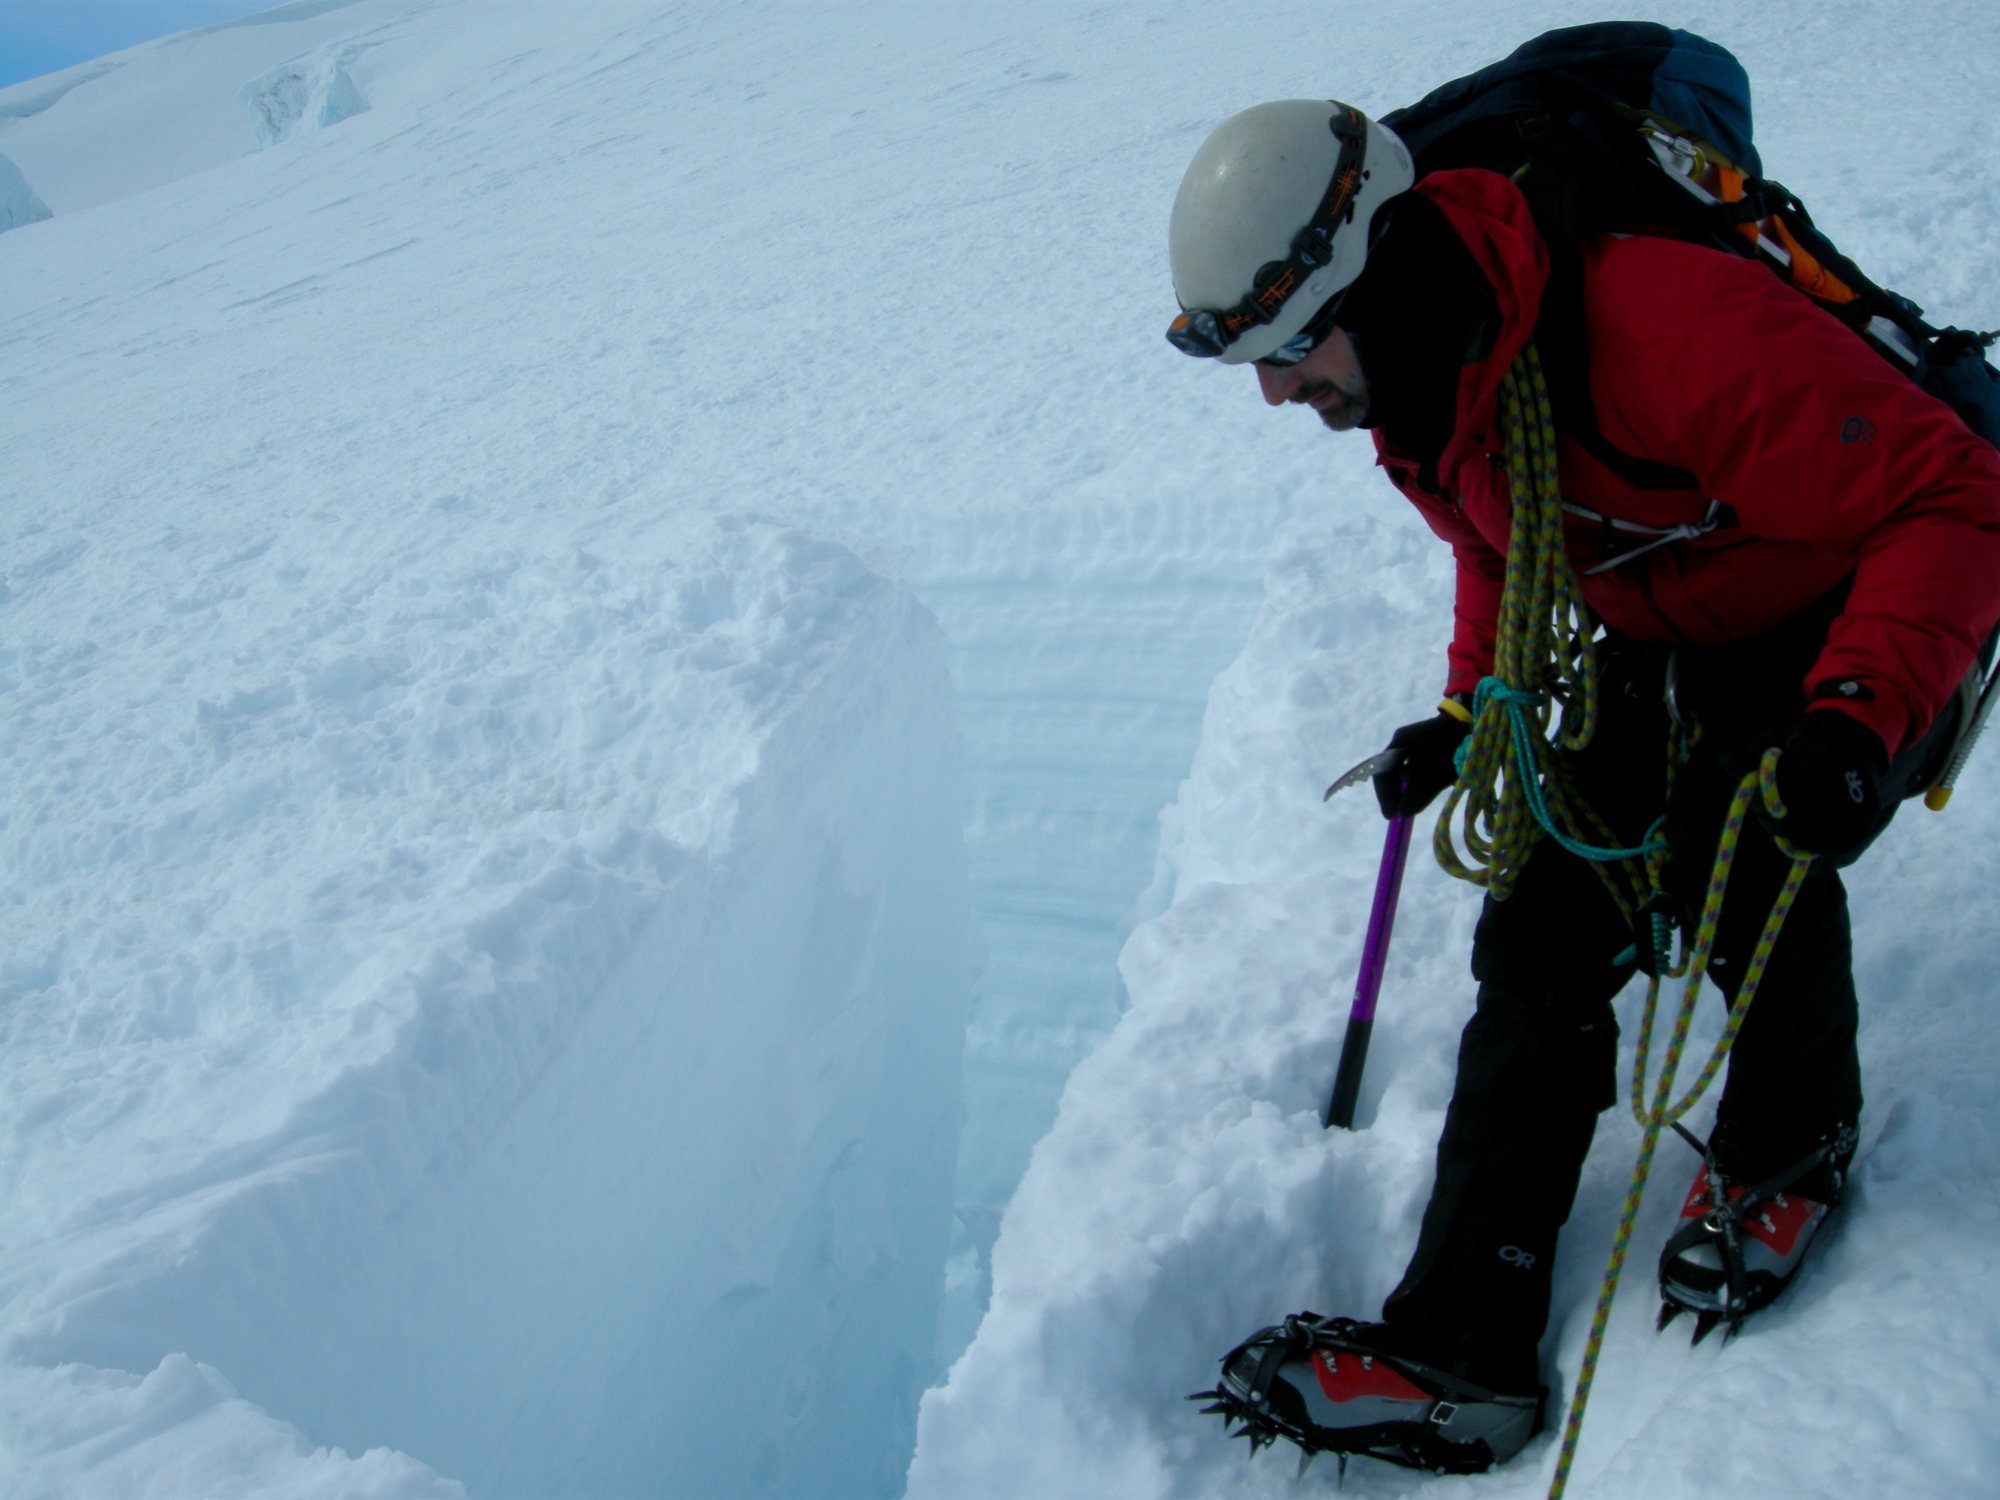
1426, 766
1829, 778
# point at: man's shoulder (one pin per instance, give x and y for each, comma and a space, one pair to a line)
1631, 272
1647, 295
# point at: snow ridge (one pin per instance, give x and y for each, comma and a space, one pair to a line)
18, 203
309, 95
576, 945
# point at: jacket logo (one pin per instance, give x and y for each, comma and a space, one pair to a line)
1857, 430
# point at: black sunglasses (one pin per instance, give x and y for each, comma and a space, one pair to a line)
1301, 344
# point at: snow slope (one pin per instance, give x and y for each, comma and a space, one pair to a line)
505, 989
1187, 1194
590, 209
509, 513
489, 949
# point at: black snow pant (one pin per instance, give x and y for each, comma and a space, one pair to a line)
1538, 1060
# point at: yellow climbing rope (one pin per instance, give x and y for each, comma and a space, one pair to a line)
1662, 1113
1514, 787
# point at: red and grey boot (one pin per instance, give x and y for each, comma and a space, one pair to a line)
1332, 1385
1736, 1247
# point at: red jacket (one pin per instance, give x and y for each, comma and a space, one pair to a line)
1831, 461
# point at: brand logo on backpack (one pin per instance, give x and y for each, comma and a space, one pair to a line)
1857, 430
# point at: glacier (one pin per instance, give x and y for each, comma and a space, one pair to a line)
663, 833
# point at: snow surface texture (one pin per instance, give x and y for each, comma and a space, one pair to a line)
489, 948
486, 944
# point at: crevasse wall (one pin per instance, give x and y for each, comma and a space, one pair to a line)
641, 1181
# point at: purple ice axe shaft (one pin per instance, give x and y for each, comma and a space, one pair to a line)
1374, 958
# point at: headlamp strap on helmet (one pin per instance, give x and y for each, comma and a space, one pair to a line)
1198, 331
1312, 246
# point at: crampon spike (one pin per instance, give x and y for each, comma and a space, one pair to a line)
1668, 1312
1704, 1325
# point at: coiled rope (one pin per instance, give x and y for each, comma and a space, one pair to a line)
1515, 786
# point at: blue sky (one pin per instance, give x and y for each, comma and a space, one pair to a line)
41, 36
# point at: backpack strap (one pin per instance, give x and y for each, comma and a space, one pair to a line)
1561, 336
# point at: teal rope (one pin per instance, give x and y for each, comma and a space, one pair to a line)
1518, 703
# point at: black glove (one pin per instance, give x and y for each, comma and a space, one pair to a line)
1829, 778
1426, 766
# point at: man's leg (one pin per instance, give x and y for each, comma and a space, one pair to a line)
1794, 1077
1795, 1072
1791, 1104
1536, 1065
1450, 1379
1785, 1123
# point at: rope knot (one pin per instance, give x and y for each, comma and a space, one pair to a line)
1493, 690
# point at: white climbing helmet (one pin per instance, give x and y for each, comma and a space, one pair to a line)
1273, 221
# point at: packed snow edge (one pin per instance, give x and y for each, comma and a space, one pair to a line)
651, 1063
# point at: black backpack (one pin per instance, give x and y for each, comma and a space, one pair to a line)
1632, 125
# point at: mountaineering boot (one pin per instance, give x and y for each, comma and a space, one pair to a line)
1332, 1385
1737, 1247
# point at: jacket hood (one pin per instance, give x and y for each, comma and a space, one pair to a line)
1489, 214
1491, 217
